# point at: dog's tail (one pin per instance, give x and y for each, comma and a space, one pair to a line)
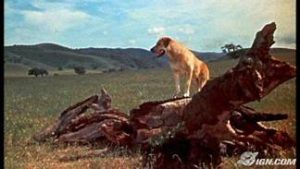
206, 72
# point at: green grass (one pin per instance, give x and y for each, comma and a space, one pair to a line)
32, 103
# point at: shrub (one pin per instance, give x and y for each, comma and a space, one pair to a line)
79, 70
37, 71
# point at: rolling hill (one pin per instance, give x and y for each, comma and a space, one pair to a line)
52, 56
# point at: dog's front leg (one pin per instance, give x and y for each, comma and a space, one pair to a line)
177, 84
188, 84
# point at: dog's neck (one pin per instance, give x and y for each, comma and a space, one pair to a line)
173, 52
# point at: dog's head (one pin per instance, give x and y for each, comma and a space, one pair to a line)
160, 48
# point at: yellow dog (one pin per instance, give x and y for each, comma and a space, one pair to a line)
182, 62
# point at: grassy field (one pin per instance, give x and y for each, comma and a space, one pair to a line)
32, 103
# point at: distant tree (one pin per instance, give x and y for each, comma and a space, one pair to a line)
111, 70
231, 50
227, 48
60, 68
37, 71
79, 70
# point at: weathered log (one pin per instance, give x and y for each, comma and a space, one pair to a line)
154, 122
156, 117
95, 117
88, 134
255, 116
245, 120
64, 123
72, 112
58, 127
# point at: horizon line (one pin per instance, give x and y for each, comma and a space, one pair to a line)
106, 47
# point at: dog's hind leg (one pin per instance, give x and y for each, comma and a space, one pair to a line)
201, 82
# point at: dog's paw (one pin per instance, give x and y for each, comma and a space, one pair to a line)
175, 96
186, 95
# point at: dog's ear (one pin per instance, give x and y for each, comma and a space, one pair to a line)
166, 41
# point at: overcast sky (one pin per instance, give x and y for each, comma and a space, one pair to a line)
202, 25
